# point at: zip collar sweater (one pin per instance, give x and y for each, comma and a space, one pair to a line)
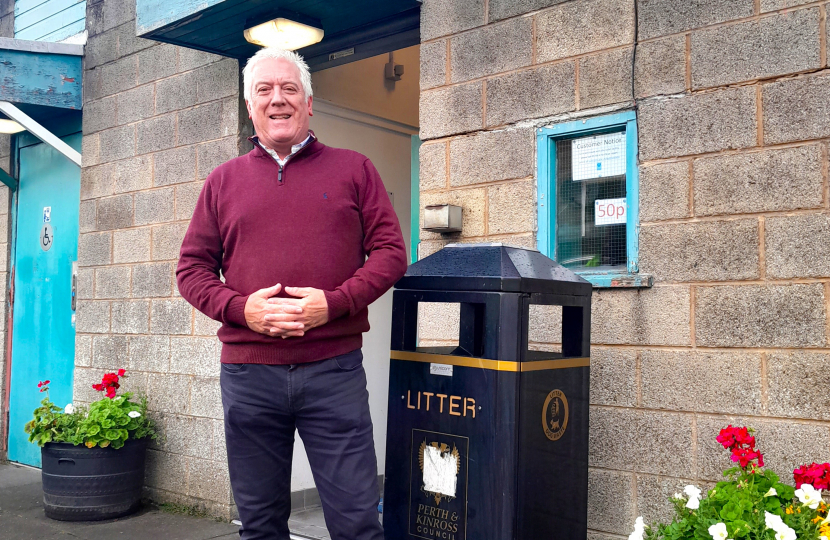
322, 220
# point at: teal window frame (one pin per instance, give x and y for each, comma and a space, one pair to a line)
546, 202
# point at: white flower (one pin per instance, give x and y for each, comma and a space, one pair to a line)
133, 414
771, 493
718, 531
822, 538
809, 496
773, 521
785, 533
694, 497
69, 409
639, 529
782, 531
678, 496
692, 491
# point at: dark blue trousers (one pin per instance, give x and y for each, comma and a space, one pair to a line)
328, 404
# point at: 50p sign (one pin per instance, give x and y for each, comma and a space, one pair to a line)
610, 212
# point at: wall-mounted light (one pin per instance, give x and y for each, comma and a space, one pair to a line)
283, 33
10, 127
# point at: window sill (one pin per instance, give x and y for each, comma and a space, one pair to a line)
617, 280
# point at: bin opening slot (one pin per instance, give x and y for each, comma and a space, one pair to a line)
554, 332
544, 338
453, 328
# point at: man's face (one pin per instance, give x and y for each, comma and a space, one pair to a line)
278, 106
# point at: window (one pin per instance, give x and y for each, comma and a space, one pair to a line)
588, 198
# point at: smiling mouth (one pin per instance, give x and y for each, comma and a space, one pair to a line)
280, 116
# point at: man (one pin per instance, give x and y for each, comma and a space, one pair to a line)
306, 238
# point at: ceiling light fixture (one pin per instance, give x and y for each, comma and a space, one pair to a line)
283, 33
10, 127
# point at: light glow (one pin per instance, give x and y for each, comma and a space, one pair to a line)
283, 33
10, 127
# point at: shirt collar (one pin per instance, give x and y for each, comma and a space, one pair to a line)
294, 149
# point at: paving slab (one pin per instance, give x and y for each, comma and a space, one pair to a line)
22, 518
305, 518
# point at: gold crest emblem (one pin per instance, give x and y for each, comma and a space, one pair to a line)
444, 450
555, 415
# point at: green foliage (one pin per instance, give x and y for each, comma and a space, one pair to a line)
106, 423
595, 260
183, 509
109, 423
741, 503
49, 424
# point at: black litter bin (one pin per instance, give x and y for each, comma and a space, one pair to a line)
488, 440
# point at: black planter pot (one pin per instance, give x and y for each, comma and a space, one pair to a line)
87, 484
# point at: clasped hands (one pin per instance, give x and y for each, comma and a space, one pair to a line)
286, 317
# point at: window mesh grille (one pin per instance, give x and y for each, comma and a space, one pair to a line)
580, 243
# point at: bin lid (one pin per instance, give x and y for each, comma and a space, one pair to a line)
492, 267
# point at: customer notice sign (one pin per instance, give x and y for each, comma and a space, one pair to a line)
599, 156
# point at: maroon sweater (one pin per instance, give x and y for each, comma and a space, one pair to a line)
313, 224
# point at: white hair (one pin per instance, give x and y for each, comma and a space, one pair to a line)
276, 52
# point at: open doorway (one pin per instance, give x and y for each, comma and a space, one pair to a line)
357, 107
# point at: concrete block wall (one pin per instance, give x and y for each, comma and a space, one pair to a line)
157, 120
7, 18
734, 127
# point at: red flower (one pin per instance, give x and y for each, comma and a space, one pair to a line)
43, 383
742, 444
727, 436
742, 456
109, 383
731, 437
817, 475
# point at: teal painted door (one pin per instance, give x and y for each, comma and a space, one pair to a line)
43, 334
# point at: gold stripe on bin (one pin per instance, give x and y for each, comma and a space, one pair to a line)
495, 365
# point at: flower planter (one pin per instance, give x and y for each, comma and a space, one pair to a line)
87, 484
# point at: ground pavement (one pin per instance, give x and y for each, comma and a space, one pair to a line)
22, 518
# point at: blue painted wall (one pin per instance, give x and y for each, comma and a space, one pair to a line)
48, 20
53, 80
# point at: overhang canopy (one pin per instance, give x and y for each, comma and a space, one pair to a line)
40, 73
353, 30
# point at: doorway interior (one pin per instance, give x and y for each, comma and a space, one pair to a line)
357, 107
